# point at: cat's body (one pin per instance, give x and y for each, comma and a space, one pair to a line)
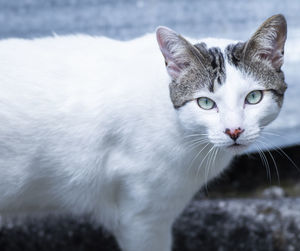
88, 127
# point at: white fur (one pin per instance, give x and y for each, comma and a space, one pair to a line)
87, 127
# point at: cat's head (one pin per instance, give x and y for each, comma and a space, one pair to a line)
227, 96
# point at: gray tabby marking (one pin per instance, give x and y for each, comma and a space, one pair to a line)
208, 71
272, 79
260, 58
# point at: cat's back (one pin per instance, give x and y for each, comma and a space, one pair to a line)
68, 87
51, 62
56, 72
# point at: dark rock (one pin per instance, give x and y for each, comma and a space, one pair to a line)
210, 225
55, 233
250, 224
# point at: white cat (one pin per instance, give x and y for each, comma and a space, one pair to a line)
96, 126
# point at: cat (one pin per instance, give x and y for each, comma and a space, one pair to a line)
93, 126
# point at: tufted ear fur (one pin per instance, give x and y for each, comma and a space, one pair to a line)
177, 51
268, 41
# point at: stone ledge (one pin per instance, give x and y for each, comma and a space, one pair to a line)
210, 225
240, 224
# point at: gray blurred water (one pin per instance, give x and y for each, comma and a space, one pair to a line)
126, 19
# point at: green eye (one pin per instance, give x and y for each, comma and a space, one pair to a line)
254, 97
206, 103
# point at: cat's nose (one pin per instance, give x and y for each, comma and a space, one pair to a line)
234, 133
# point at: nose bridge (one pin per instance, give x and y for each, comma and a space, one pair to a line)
232, 112
231, 107
233, 121
233, 118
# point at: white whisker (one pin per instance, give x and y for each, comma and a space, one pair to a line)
195, 135
196, 155
197, 144
264, 161
204, 160
274, 162
214, 155
280, 151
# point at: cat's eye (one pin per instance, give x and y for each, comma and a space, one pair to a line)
254, 97
206, 103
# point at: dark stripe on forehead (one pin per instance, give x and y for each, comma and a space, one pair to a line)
217, 71
214, 65
233, 53
217, 57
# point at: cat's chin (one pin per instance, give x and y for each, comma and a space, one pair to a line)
236, 148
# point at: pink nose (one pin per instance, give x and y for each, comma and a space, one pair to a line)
234, 134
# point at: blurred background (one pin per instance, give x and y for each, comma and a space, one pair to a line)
247, 181
128, 19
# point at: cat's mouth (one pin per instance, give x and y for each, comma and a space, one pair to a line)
235, 145
237, 148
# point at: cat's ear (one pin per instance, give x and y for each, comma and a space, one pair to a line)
175, 50
268, 41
